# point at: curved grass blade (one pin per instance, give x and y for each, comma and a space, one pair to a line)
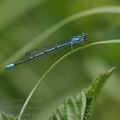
50, 31
57, 62
80, 106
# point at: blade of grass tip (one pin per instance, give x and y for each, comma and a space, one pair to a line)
58, 61
51, 30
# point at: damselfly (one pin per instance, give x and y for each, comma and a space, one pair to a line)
37, 53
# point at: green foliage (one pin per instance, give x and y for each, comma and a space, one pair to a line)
56, 63
77, 107
31, 24
80, 106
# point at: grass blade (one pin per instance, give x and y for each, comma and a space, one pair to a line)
60, 60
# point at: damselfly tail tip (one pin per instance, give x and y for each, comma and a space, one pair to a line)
10, 66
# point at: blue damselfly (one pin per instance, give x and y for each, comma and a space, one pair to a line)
37, 53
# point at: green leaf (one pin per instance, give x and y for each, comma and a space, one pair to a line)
4, 116
72, 109
80, 106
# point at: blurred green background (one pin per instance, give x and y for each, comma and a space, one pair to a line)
22, 21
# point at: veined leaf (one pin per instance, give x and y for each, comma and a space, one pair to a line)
80, 106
